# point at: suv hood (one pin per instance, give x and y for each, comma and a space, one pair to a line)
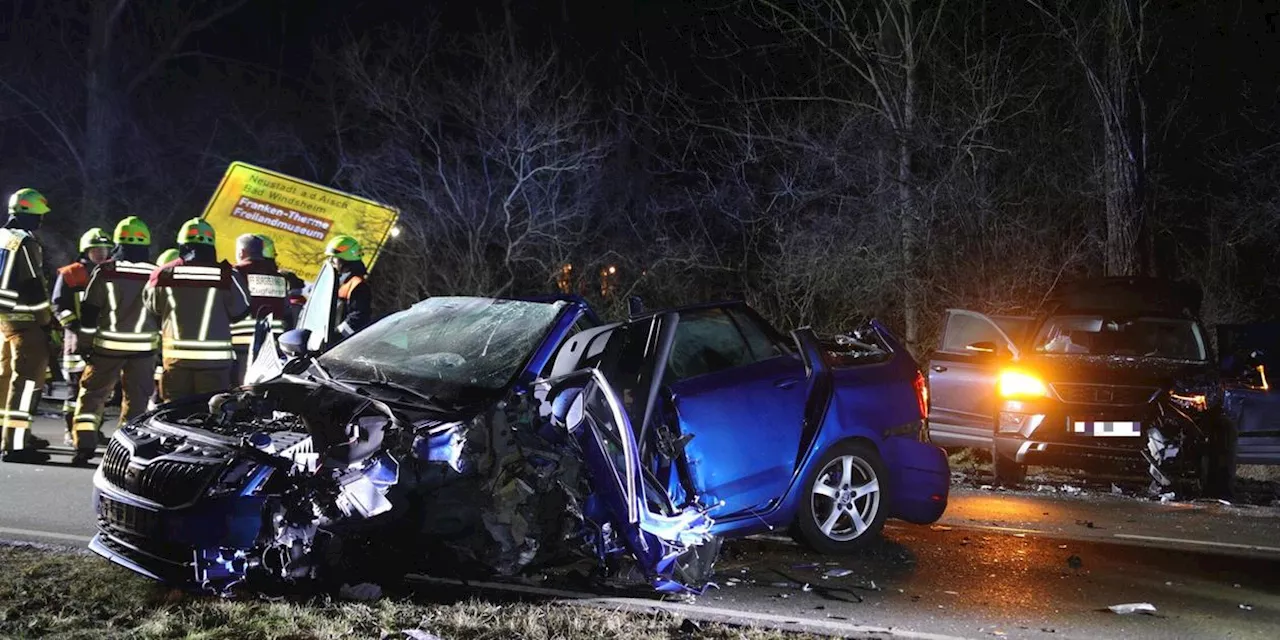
1116, 370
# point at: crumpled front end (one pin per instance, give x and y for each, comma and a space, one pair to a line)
290, 483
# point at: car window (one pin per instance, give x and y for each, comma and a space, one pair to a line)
706, 341
964, 329
762, 342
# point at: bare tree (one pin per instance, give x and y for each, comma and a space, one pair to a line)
497, 166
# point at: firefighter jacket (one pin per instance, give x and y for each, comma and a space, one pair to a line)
268, 294
355, 302
24, 297
196, 305
68, 291
114, 311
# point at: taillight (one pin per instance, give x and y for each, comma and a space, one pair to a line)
922, 394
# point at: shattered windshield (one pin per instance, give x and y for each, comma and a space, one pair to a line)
448, 346
1167, 338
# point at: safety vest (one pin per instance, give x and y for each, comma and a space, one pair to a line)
121, 325
23, 295
268, 294
197, 305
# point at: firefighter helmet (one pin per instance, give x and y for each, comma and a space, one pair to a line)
344, 248
28, 201
169, 255
268, 246
133, 230
94, 237
196, 231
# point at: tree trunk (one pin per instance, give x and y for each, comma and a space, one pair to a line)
1124, 146
102, 117
904, 132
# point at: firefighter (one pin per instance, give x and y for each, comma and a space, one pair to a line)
355, 299
166, 257
125, 336
25, 321
268, 295
295, 298
196, 300
68, 291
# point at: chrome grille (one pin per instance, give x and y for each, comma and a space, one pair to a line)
1104, 394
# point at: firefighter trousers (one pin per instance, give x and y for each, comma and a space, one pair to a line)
136, 377
178, 382
24, 356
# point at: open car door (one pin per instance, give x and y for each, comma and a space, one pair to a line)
673, 547
1246, 353
318, 314
963, 372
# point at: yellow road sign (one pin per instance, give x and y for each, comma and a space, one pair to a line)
300, 216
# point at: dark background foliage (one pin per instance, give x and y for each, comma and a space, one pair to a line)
823, 159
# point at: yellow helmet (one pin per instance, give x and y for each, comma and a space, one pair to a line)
344, 248
28, 201
94, 237
133, 230
196, 231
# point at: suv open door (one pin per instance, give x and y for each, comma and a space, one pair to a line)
962, 375
1251, 405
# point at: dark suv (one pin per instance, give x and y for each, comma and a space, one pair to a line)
1117, 370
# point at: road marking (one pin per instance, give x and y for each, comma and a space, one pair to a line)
718, 614
1205, 543
43, 534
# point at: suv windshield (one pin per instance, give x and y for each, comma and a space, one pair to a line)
446, 347
1141, 337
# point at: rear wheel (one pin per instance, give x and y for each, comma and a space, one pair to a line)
845, 501
1007, 470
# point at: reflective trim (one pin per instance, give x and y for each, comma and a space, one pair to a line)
191, 354
28, 393
242, 340
173, 312
64, 314
120, 345
89, 331
196, 270
8, 293
19, 435
140, 335
113, 321
210, 297
32, 307
197, 344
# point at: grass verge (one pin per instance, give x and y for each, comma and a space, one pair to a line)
50, 594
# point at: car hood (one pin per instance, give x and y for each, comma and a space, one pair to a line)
1116, 370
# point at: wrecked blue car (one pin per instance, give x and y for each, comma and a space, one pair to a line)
478, 437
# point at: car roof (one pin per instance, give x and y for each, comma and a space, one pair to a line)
686, 308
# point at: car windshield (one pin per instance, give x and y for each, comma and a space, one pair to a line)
446, 347
1167, 338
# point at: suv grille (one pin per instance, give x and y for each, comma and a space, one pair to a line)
171, 483
1104, 394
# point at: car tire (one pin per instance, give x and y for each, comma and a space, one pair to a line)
845, 500
1007, 471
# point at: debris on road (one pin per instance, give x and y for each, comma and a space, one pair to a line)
689, 627
939, 527
1075, 562
837, 573
806, 566
952, 593
1116, 490
1072, 490
1086, 523
1246, 607
1145, 608
1045, 488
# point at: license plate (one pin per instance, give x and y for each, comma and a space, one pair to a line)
1106, 429
128, 517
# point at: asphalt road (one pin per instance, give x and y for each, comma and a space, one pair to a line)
1018, 564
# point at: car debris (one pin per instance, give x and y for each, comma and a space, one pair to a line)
1075, 562
419, 634
1145, 608
837, 573
939, 527
1246, 607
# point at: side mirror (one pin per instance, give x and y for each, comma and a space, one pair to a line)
294, 342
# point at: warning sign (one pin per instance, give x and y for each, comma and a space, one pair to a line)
299, 216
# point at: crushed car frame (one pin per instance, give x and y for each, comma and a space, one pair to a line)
493, 437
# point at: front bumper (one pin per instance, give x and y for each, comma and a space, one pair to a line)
164, 544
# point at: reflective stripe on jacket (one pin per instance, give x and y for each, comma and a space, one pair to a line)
68, 291
196, 305
115, 312
24, 295
268, 294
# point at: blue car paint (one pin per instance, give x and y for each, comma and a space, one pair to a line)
864, 402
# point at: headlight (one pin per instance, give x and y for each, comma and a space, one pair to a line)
1016, 384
